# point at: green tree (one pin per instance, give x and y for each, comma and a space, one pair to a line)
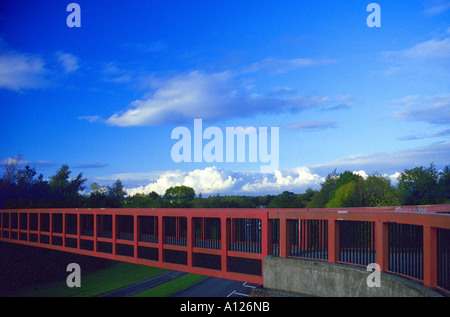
287, 200
419, 186
333, 182
116, 191
378, 191
444, 184
66, 192
180, 196
347, 195
327, 189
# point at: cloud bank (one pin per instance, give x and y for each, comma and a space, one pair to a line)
213, 180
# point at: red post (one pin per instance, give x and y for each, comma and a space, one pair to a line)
113, 234
39, 227
136, 236
381, 245
189, 242
160, 239
79, 231
429, 256
333, 241
225, 240
28, 227
64, 229
95, 231
265, 236
50, 228
18, 226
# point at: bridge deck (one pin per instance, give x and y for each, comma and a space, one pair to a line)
410, 241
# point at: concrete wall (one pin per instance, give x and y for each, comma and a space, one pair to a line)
318, 278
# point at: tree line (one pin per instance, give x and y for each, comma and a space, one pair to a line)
24, 188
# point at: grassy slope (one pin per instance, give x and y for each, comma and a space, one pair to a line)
108, 279
171, 287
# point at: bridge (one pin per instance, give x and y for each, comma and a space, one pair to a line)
408, 241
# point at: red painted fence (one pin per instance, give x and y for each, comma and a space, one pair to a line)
412, 241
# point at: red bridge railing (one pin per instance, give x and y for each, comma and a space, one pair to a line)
411, 241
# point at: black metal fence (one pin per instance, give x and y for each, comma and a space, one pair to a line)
357, 242
406, 250
308, 238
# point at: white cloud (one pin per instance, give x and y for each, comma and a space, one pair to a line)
431, 109
311, 125
206, 181
436, 7
297, 180
361, 173
211, 97
394, 178
21, 71
68, 61
429, 49
425, 50
278, 66
431, 55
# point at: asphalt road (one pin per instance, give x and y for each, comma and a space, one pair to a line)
209, 287
217, 287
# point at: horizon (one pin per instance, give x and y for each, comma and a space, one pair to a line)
105, 97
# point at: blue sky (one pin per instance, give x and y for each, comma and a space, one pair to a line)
105, 97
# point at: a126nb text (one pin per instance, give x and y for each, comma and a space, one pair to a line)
247, 306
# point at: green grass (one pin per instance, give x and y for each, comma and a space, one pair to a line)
171, 287
118, 275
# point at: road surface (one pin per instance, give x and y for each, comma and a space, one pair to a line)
217, 287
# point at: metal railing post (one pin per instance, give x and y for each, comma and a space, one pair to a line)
333, 241
429, 256
381, 245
